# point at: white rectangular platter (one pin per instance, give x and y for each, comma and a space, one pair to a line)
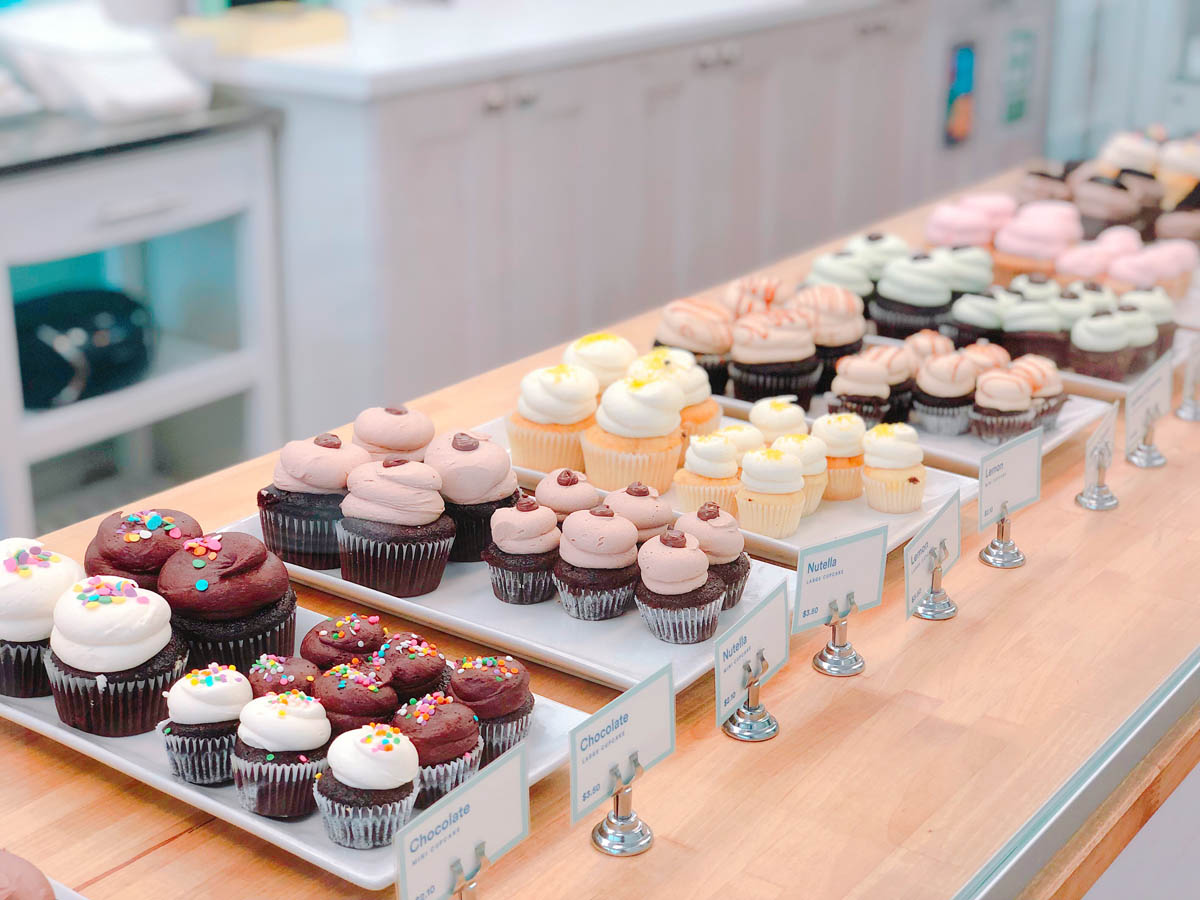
144, 758
62, 892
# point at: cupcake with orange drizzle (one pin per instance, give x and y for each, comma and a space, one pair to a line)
774, 353
703, 328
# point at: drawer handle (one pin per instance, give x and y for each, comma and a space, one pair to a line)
120, 213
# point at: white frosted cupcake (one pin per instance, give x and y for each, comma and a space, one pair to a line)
968, 270
202, 722
771, 498
555, 406
709, 473
637, 435
911, 294
605, 355
844, 269
775, 416
876, 249
745, 437
701, 414
281, 747
842, 434
1097, 296
893, 475
812, 453
1161, 309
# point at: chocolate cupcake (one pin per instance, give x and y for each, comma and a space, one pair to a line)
975, 316
861, 387
912, 294
1034, 326
774, 353
393, 431
597, 567
368, 791
32, 579
523, 552
566, 491
299, 508
230, 599
1142, 334
901, 365
281, 746
446, 736
477, 480
641, 505
1161, 310
873, 251
136, 545
840, 324
1003, 406
944, 394
411, 665
677, 596
351, 639
703, 328
354, 696
496, 688
271, 674
1100, 348
966, 268
202, 722
723, 543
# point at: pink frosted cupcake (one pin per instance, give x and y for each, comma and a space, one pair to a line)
723, 543
1034, 238
952, 225
901, 365
1177, 261
477, 479
997, 206
775, 353
1119, 240
566, 491
393, 431
1003, 406
703, 328
1087, 261
1139, 271
678, 597
523, 552
642, 506
597, 567
928, 343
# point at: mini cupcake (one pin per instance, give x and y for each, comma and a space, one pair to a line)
354, 696
774, 353
1087, 261
1136, 271
1034, 286
1034, 326
975, 316
709, 473
411, 665
997, 206
566, 491
112, 657
839, 325
1142, 335
952, 224
744, 436
597, 567
861, 387
477, 480
271, 674
230, 599
395, 535
385, 431
281, 747
1045, 180
1035, 237
1046, 385
774, 416
814, 466
751, 294
1070, 307
32, 579
350, 638
496, 688
449, 746
136, 545
637, 435
641, 505
1095, 295
1103, 202
701, 414
968, 270
605, 355
703, 328
723, 543
369, 788
1100, 348
893, 475
927, 343
842, 435
912, 294
1176, 261
843, 269
986, 355
523, 552
901, 366
678, 597
1178, 170
875, 250
303, 503
555, 406
771, 500
944, 394
202, 722
1003, 406
1158, 306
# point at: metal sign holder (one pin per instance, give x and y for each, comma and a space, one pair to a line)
1145, 455
1189, 408
1098, 496
467, 887
936, 605
1002, 551
621, 832
838, 657
751, 721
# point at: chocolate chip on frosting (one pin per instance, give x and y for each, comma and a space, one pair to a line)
330, 441
463, 441
708, 511
1037, 277
567, 478
603, 511
637, 489
527, 504
396, 410
675, 539
875, 236
390, 462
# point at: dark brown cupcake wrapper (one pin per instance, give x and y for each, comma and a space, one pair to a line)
116, 710
276, 790
243, 651
996, 429
365, 827
473, 527
751, 385
22, 672
200, 760
894, 323
872, 413
307, 542
402, 569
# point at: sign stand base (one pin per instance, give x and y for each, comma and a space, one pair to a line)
1002, 551
1189, 411
468, 887
936, 605
1097, 497
751, 721
621, 832
838, 657
1145, 455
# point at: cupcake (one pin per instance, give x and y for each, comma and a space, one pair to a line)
303, 503
678, 597
394, 535
893, 474
1087, 261
597, 567
1070, 307
136, 545
926, 343
839, 325
354, 696
1176, 262
975, 316
1119, 240
1003, 406
566, 491
875, 250
641, 505
1149, 195
968, 270
901, 366
1046, 180
343, 639
385, 431
723, 543
997, 206
843, 269
774, 353
703, 328
1128, 150
281, 746
1034, 326
701, 414
637, 435
744, 437
1046, 385
1140, 270
1178, 170
369, 788
1095, 295
771, 500
555, 406
22, 880
605, 355
1142, 335
1158, 306
986, 355
944, 394
202, 722
496, 689
814, 466
477, 479
32, 579
774, 416
411, 665
709, 473
449, 746
912, 294
1034, 239
1034, 286
523, 552
861, 387
842, 435
752, 294
952, 224
1181, 223
112, 657
272, 674
1100, 348
1102, 202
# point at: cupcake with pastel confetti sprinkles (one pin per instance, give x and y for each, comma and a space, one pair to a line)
496, 688
449, 745
282, 745
354, 696
136, 545
272, 674
203, 709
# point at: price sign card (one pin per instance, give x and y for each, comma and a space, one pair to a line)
492, 808
641, 720
1148, 399
764, 628
827, 573
1099, 450
1191, 365
946, 525
1012, 474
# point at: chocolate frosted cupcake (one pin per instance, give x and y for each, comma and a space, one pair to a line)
724, 545
411, 665
281, 746
394, 535
861, 387
299, 508
901, 366
944, 394
641, 505
677, 596
911, 294
446, 736
496, 688
202, 722
774, 353
566, 491
271, 674
368, 791
230, 599
393, 431
136, 545
1100, 348
112, 657
477, 480
1003, 406
703, 328
354, 696
32, 579
523, 552
839, 327
597, 569
351, 639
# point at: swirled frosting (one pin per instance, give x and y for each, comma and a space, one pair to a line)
480, 473
839, 314
677, 366
916, 280
673, 570
842, 433
566, 491
592, 541
1140, 269
900, 362
711, 456
1002, 390
719, 536
1040, 230
876, 250
996, 205
842, 269
927, 342
1086, 260
891, 446
1032, 315
1140, 329
1101, 332
1041, 373
1036, 185
605, 355
319, 466
1119, 240
978, 310
774, 416
752, 294
215, 693
780, 335
32, 578
952, 375
951, 224
696, 325
526, 528
986, 355
404, 494
1097, 296
218, 577
770, 471
810, 450
393, 430
745, 437
106, 624
641, 505
1155, 302
1070, 307
291, 721
373, 758
640, 409
858, 376
966, 269
558, 395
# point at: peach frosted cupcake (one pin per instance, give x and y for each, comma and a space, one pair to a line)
771, 498
602, 353
555, 406
812, 453
703, 328
1034, 238
566, 491
927, 343
1046, 384
774, 416
393, 431
893, 474
986, 355
641, 505
701, 414
842, 434
637, 435
744, 437
839, 326
944, 392
751, 294
901, 365
861, 387
709, 473
1003, 406
774, 353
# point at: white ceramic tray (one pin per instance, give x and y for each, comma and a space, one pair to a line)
617, 652
144, 758
62, 892
832, 520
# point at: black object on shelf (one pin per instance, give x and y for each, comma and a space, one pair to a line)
80, 343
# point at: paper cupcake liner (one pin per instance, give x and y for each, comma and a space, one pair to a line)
1046, 410
1166, 338
1143, 358
437, 781
242, 652
690, 497
777, 516
690, 625
402, 569
895, 324
899, 405
200, 760
611, 470
307, 542
733, 592
998, 429
594, 605
277, 790
942, 420
814, 492
500, 737
892, 496
544, 449
121, 709
22, 672
365, 827
522, 588
752, 385
844, 483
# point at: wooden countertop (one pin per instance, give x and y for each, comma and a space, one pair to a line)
900, 783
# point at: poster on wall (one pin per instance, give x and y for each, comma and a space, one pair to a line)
1018, 74
960, 96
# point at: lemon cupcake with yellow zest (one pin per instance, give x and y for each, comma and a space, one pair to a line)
771, 498
637, 435
812, 453
893, 473
842, 434
709, 473
700, 414
555, 406
605, 355
744, 436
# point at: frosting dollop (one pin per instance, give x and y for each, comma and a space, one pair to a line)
978, 310
745, 437
779, 335
998, 206
858, 376
986, 355
1040, 230
892, 446
215, 693
105, 624
1100, 332
566, 491
951, 223
640, 409
605, 355
717, 531
32, 578
842, 433
876, 250
407, 494
774, 416
1139, 327
319, 466
393, 430
1032, 315
1035, 286
839, 313
1097, 296
373, 758
952, 375
927, 342
1086, 260
1155, 302
842, 269
219, 577
1041, 373
641, 505
480, 472
526, 528
677, 366
810, 450
592, 541
558, 395
711, 456
290, 721
673, 570
966, 269
916, 280
1002, 390
696, 325
899, 362
771, 471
